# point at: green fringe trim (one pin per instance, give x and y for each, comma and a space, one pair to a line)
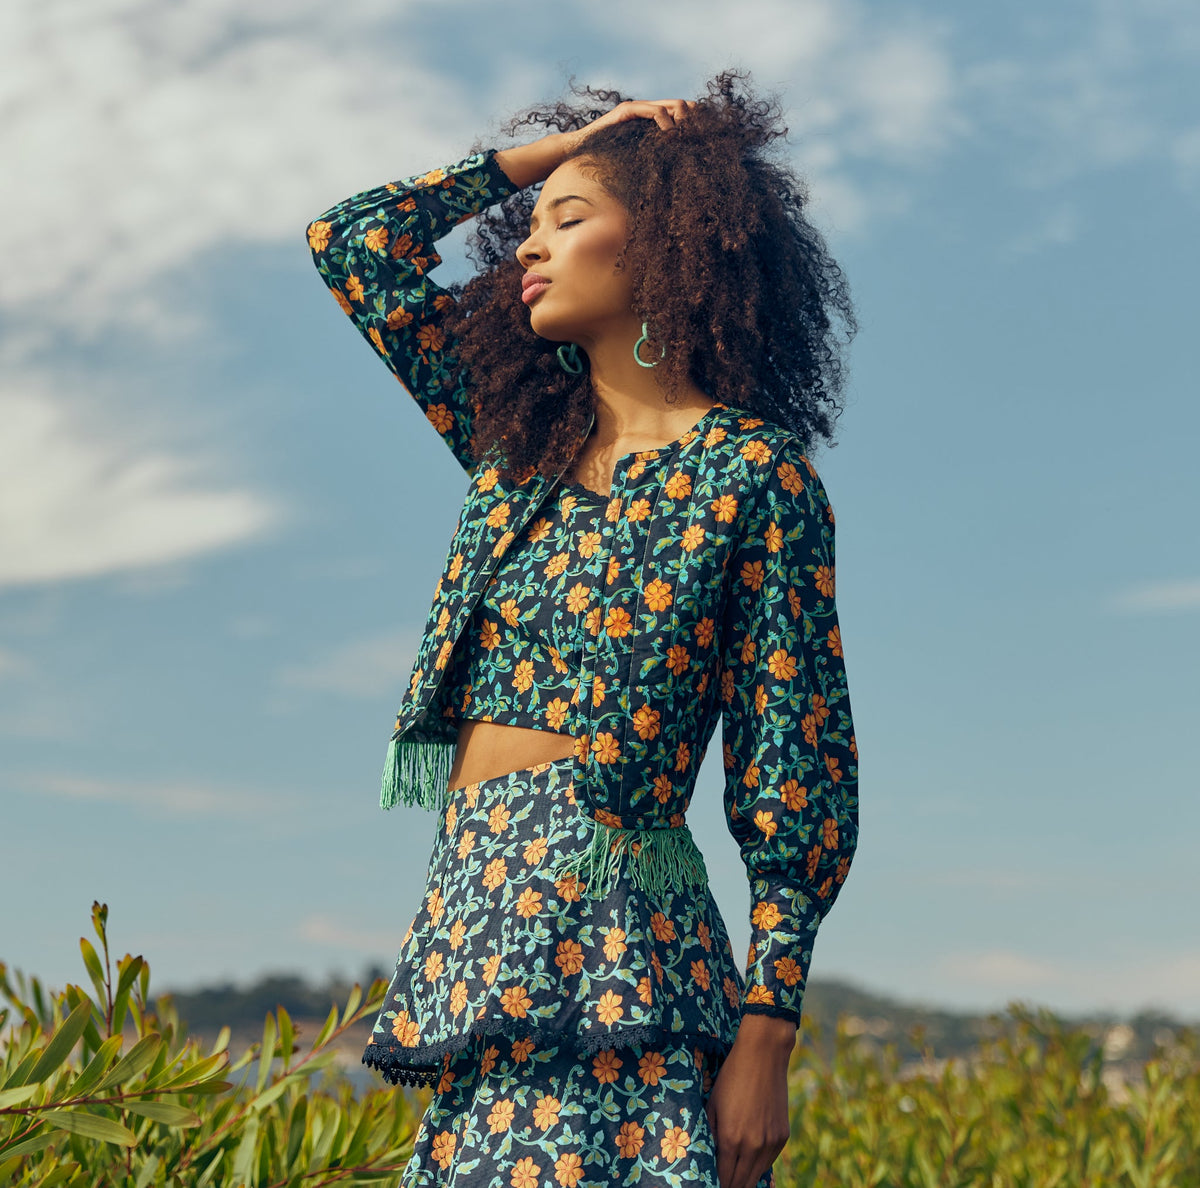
666, 860
416, 774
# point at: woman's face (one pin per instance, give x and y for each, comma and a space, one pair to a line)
576, 234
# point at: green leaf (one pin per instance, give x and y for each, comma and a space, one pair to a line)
129, 968
147, 1173
243, 1160
15, 1097
39, 1142
163, 1111
287, 1037
139, 1057
266, 1056
62, 1042
91, 962
352, 1003
91, 1126
296, 1128
97, 1067
327, 1030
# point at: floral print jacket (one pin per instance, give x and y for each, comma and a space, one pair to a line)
717, 604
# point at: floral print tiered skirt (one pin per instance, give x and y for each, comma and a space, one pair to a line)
570, 1042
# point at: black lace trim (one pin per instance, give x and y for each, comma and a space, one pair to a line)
766, 1008
423, 1066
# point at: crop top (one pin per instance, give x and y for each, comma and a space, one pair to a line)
523, 665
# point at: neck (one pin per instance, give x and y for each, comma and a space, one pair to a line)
631, 405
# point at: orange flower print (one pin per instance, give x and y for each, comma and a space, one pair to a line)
645, 992
788, 971
578, 597
617, 622
451, 817
535, 851
790, 478
693, 538
568, 888
443, 654
823, 580
834, 641
568, 1169
782, 666
510, 612
835, 772
605, 1065
824, 889
521, 1049
629, 1139
750, 776
609, 1008
614, 943
498, 818
514, 1001
700, 975
732, 995
495, 873
445, 1081
557, 565
340, 297
458, 998
794, 604
662, 926
377, 340
376, 239
656, 965
829, 833
498, 516
637, 510
678, 659
704, 632
678, 485
704, 936
752, 574
465, 843
765, 915
491, 967
538, 530
683, 756
489, 634
749, 649
613, 571
675, 1142
569, 957
662, 789
318, 235
488, 1062
714, 436
761, 994
765, 822
727, 690
406, 1030
398, 319
843, 869
556, 713
725, 509
793, 795
529, 903
431, 338
756, 451
813, 861
760, 699
606, 748
435, 966
443, 1148
646, 722
773, 537
819, 708
436, 905
354, 288
456, 564
501, 1116
591, 621
589, 544
598, 689
651, 1067
545, 1112
657, 595
487, 479
808, 726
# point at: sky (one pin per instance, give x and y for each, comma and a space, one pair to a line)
217, 546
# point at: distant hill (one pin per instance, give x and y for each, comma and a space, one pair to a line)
876, 1019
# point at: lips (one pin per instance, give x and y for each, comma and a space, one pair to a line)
533, 285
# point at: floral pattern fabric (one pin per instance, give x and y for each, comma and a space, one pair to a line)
517, 1114
717, 601
502, 946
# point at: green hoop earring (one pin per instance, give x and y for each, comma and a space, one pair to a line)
637, 346
568, 358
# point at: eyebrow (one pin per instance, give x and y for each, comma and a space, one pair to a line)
557, 202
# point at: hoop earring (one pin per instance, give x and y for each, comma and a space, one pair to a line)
568, 358
637, 346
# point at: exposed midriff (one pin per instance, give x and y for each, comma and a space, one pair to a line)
489, 749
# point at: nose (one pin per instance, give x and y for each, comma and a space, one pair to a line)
529, 252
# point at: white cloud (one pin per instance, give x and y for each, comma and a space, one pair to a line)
164, 798
325, 929
370, 667
1159, 597
79, 499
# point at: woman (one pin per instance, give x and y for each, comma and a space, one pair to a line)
631, 382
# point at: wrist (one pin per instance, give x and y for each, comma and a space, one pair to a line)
527, 164
767, 1035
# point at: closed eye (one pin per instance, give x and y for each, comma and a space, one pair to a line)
569, 223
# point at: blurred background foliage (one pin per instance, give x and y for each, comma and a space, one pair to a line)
106, 1087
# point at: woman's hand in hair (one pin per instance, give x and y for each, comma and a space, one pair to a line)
534, 162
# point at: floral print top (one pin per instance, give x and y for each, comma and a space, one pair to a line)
717, 603
523, 665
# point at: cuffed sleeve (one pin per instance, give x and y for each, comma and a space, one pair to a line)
791, 761
374, 251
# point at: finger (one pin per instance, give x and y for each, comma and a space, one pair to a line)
726, 1165
741, 1176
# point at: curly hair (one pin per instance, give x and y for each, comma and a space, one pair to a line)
733, 279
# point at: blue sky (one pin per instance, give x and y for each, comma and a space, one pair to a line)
217, 546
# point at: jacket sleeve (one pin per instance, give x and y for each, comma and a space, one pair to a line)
791, 761
374, 251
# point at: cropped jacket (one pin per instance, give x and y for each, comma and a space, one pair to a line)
717, 604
